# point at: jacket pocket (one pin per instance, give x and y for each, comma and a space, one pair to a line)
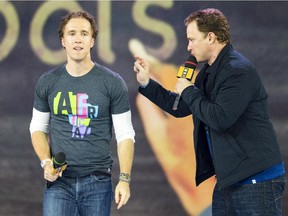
228, 156
235, 146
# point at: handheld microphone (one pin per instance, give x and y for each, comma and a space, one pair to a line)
59, 165
59, 162
186, 71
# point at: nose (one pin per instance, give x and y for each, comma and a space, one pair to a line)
78, 38
189, 46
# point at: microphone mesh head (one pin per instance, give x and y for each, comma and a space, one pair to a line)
191, 62
59, 158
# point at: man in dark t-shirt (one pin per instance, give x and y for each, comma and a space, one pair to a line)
76, 105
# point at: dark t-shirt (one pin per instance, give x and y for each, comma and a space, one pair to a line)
81, 121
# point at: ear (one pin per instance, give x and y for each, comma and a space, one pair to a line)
63, 42
211, 37
92, 42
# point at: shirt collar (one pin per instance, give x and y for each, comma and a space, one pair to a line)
219, 58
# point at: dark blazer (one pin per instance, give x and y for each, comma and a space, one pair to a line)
233, 105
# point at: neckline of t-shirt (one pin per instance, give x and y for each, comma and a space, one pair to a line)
79, 77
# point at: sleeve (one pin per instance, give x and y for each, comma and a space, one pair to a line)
41, 95
119, 96
123, 126
164, 99
39, 121
41, 112
234, 95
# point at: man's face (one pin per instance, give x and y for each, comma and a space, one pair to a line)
198, 42
77, 39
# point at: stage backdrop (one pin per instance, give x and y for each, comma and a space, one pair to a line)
163, 171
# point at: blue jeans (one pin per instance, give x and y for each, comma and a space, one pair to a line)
86, 196
260, 199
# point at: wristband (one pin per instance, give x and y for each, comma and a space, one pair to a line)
43, 162
125, 177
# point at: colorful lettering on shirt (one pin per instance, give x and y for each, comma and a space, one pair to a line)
78, 110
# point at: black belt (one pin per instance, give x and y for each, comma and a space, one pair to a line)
96, 173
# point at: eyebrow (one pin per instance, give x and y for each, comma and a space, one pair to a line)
82, 31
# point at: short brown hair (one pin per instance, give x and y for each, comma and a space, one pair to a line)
78, 14
211, 20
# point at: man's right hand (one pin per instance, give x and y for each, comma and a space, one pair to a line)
141, 68
48, 172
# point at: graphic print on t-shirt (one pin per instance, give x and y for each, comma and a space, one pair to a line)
78, 110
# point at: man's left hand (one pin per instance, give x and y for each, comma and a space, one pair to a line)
122, 193
181, 85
